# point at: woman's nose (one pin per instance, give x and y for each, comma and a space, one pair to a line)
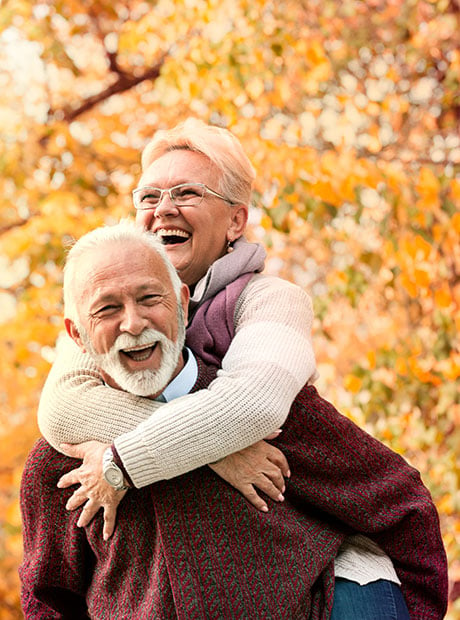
166, 207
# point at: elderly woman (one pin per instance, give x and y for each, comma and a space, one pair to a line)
194, 193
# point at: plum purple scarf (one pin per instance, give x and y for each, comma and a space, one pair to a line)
212, 306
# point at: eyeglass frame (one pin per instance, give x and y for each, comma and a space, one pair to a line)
170, 189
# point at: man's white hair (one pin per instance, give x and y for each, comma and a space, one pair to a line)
125, 231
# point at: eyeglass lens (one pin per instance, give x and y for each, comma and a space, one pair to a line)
181, 195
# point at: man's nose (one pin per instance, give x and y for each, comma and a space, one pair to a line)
133, 322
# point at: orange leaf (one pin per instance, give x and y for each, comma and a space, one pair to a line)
443, 298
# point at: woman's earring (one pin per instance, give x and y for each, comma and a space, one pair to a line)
229, 246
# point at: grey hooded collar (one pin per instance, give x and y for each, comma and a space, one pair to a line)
245, 258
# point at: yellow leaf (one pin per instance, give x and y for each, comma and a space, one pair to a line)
422, 278
428, 202
454, 188
420, 218
329, 163
315, 54
428, 182
401, 366
371, 359
456, 222
421, 248
352, 383
438, 233
409, 285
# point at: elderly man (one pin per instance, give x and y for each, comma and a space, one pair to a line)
192, 547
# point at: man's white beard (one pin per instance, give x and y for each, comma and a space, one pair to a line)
146, 382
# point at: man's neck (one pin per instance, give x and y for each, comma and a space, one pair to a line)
183, 381
180, 383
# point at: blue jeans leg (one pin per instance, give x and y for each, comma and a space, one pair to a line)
378, 600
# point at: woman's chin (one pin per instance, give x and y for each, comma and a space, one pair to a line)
179, 252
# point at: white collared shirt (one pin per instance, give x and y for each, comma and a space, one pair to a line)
183, 382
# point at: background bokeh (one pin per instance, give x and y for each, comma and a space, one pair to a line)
350, 112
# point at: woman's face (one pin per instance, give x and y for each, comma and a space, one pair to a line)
194, 236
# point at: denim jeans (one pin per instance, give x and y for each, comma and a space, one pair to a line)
378, 600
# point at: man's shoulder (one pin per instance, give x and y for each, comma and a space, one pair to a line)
42, 450
45, 464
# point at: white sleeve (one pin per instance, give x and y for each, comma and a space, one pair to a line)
269, 360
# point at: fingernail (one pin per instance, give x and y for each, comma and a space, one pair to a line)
59, 484
280, 498
264, 509
288, 475
283, 489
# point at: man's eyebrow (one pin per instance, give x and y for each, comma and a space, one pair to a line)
104, 298
158, 288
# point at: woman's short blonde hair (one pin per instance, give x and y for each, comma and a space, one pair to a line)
219, 145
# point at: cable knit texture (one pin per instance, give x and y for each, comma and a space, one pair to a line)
193, 548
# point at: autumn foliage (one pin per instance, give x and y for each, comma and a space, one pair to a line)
349, 111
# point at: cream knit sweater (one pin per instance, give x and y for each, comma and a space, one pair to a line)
269, 360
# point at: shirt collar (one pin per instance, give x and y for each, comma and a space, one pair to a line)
183, 382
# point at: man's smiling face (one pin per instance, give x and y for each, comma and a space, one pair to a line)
129, 316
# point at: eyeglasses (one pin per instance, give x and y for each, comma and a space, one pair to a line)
183, 195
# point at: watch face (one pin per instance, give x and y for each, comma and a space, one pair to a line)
114, 476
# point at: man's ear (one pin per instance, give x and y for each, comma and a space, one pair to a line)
184, 298
238, 222
73, 332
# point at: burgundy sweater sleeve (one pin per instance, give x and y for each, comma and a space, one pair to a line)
351, 478
56, 554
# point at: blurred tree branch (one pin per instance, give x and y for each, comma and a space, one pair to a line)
124, 82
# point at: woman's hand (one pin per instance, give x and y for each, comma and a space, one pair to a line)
93, 491
260, 465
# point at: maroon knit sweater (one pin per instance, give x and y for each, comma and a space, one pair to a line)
193, 548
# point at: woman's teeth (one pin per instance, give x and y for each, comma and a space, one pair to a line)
173, 236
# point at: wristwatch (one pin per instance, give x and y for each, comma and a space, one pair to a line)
112, 473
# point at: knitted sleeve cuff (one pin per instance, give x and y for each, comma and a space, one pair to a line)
117, 460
